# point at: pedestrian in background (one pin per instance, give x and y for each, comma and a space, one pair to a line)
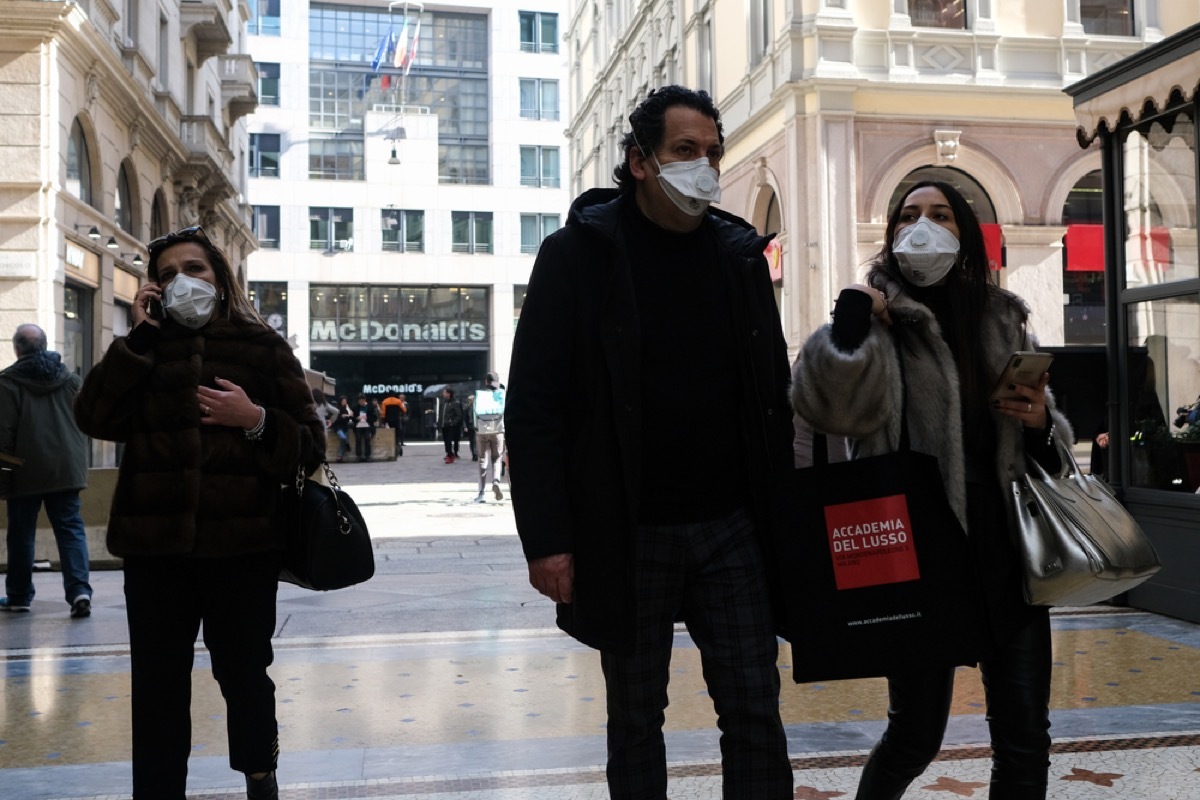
625, 540
37, 424
488, 411
364, 428
216, 414
341, 427
469, 425
450, 423
930, 299
395, 413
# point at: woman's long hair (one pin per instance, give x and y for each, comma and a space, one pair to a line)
967, 285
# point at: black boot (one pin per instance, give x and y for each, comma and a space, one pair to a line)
264, 788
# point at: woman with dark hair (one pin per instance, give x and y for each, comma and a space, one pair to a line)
341, 426
929, 299
215, 414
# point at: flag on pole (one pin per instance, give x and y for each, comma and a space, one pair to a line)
381, 52
412, 51
401, 46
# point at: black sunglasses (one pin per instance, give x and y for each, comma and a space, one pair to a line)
182, 235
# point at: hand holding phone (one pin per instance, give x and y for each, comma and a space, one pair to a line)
1024, 368
154, 309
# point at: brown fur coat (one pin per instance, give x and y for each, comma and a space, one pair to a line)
185, 488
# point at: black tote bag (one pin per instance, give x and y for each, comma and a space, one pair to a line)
873, 571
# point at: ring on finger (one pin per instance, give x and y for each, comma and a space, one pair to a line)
1030, 409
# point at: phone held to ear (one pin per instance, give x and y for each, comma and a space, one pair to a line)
1023, 369
154, 309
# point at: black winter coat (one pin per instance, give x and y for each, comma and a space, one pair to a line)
575, 407
185, 488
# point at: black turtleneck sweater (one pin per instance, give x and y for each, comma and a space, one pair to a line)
693, 458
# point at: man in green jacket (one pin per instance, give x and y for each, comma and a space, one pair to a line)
37, 426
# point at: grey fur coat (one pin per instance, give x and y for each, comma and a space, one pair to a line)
858, 394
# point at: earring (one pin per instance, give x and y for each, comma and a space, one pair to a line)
222, 297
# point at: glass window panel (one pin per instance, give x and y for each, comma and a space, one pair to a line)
460, 231
79, 165
550, 166
474, 304
529, 233
1107, 17
529, 166
384, 303
123, 209
938, 13
391, 224
268, 83
318, 228
265, 224
1160, 201
549, 100
550, 224
414, 231
529, 98
1164, 381
549, 33
528, 31
483, 232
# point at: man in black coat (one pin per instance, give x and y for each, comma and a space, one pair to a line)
646, 290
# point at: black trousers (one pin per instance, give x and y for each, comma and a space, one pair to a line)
1016, 681
712, 575
362, 443
166, 600
450, 436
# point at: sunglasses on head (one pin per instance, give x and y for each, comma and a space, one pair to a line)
182, 235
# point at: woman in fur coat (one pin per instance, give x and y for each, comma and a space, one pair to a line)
216, 414
930, 289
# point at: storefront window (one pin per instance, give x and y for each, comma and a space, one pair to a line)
416, 317
1160, 200
77, 328
1164, 382
270, 300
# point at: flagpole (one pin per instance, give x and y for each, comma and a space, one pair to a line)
404, 60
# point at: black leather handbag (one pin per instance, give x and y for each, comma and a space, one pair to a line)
326, 543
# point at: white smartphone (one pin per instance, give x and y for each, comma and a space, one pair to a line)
1023, 368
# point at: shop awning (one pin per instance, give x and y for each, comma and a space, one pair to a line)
1141, 83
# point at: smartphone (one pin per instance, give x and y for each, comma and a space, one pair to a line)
154, 309
1023, 368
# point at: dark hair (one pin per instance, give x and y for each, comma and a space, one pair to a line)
234, 303
29, 339
968, 286
449, 391
648, 124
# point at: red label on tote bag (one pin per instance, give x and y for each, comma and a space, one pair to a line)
870, 542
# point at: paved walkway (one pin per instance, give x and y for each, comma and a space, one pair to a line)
443, 677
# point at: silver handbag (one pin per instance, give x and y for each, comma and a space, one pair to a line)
1078, 543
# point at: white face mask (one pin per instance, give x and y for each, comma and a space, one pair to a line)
190, 301
691, 185
926, 252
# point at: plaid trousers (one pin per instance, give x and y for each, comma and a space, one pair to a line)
711, 575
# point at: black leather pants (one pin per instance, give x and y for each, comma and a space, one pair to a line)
1016, 682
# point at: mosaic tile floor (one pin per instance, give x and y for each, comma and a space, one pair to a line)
520, 715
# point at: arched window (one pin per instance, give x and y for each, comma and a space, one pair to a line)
1083, 262
158, 216
774, 219
967, 186
123, 213
79, 165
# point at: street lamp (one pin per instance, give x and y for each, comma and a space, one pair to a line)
112, 243
93, 232
137, 258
